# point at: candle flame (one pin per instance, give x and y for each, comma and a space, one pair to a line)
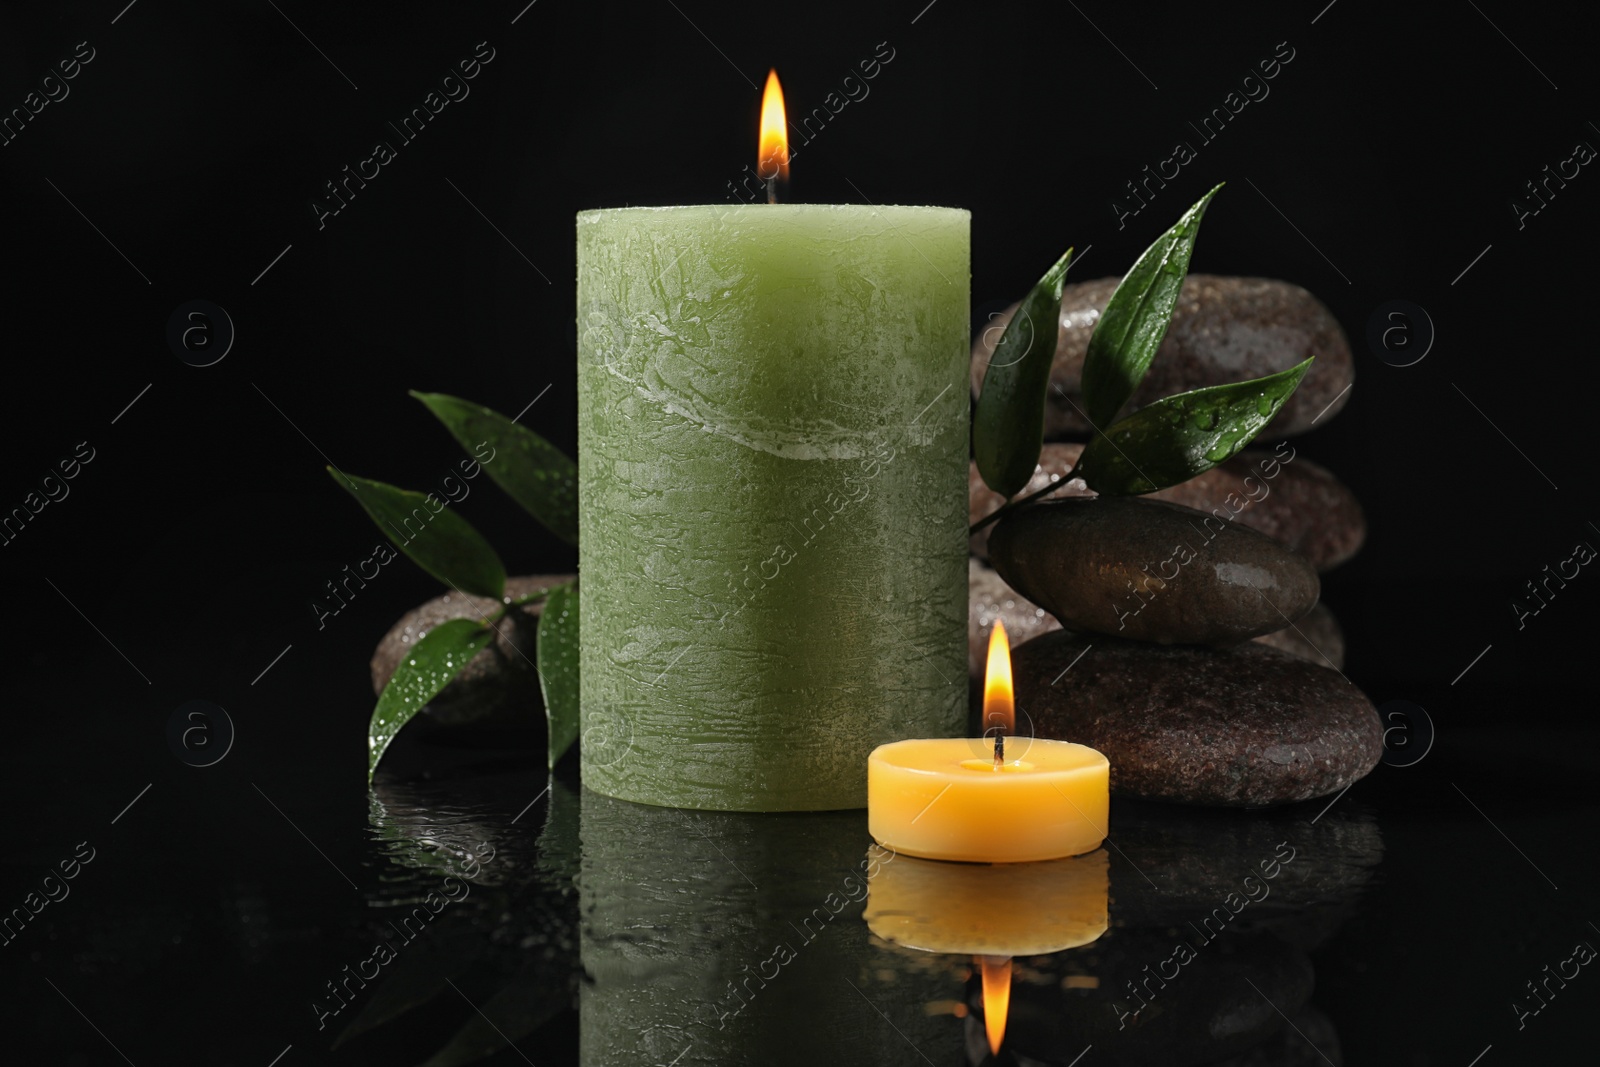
999, 703
774, 160
996, 998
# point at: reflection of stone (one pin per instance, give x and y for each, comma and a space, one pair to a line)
510, 920
727, 938
1175, 865
1113, 995
1311, 1041
439, 828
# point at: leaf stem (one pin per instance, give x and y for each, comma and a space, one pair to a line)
506, 607
1012, 505
530, 598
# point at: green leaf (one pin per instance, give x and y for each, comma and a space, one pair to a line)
436, 538
1182, 435
558, 667
1136, 317
1008, 427
535, 473
441, 655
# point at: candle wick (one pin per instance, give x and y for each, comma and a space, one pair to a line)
999, 749
772, 189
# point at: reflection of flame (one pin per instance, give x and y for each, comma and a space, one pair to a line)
996, 997
998, 704
774, 162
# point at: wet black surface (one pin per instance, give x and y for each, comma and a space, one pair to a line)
487, 913
210, 908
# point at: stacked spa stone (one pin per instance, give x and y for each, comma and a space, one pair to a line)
1180, 633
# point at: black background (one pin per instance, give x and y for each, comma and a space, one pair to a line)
1390, 147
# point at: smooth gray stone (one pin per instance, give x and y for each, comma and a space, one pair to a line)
1277, 492
1147, 570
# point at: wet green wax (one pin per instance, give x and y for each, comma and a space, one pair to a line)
773, 439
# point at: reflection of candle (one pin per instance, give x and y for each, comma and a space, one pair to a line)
1011, 909
772, 471
990, 912
718, 938
950, 799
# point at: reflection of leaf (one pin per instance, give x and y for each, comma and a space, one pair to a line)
532, 998
436, 538
1180, 436
419, 973
441, 655
535, 473
1008, 426
560, 851
558, 667
1136, 317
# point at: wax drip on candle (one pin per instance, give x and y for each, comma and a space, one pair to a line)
999, 710
774, 145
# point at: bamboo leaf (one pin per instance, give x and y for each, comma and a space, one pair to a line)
436, 538
1136, 317
532, 471
1180, 436
443, 653
558, 667
1008, 426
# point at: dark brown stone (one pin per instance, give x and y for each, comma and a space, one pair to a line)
1151, 571
1280, 493
1239, 727
1223, 330
502, 680
1315, 636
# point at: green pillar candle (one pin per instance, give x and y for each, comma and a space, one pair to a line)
772, 470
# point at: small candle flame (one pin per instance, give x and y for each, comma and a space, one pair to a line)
996, 998
774, 161
999, 704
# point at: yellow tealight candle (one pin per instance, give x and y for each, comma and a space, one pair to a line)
949, 799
